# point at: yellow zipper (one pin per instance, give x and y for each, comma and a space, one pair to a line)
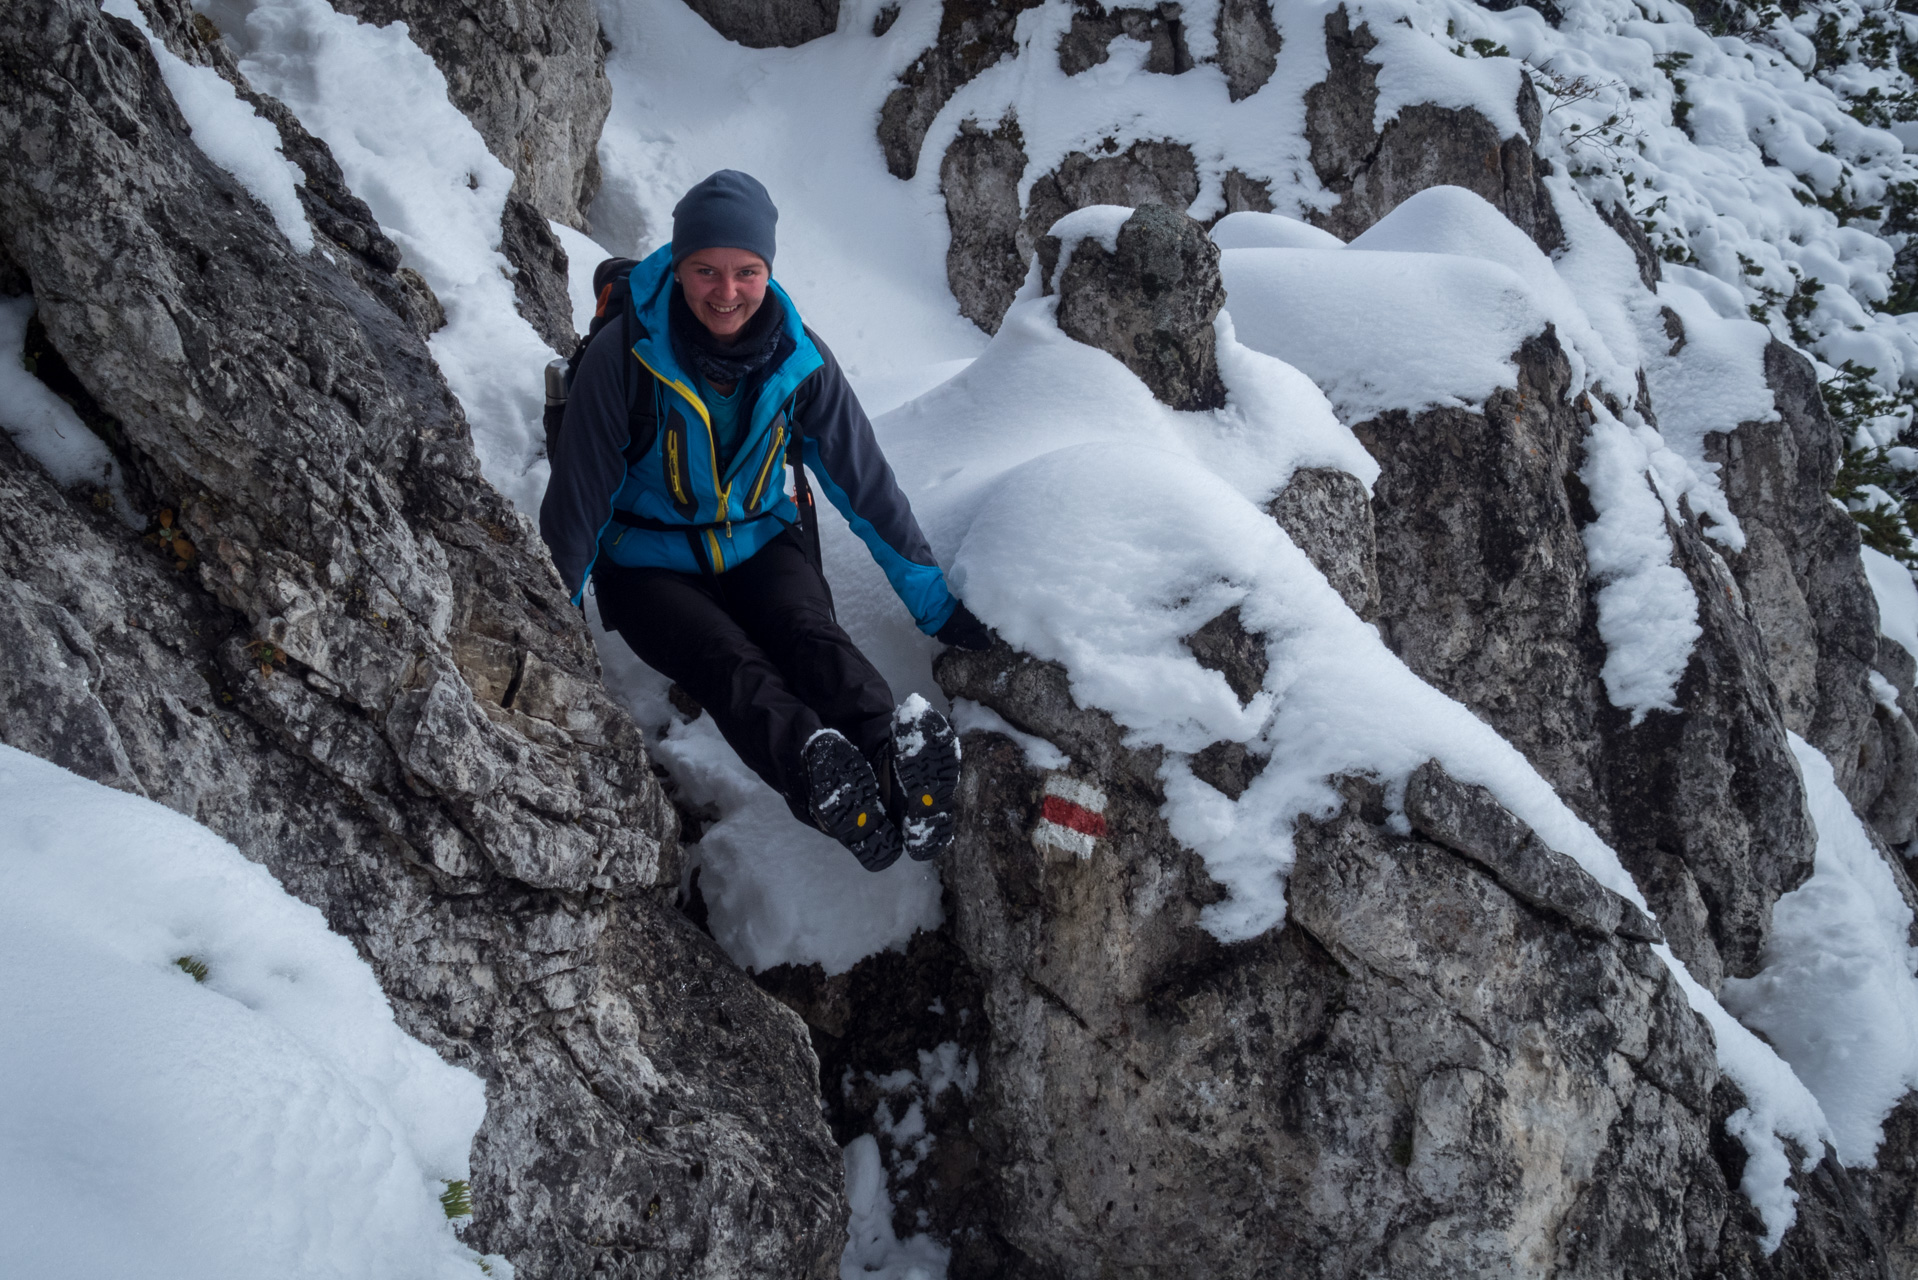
672, 467
759, 485
692, 398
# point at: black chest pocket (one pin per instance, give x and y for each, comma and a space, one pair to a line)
775, 447
678, 465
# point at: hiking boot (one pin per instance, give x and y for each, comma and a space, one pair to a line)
925, 767
844, 799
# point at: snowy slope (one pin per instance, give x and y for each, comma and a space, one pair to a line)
267, 1119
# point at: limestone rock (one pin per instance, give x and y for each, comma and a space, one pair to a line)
1484, 593
369, 679
1151, 304
539, 284
1374, 170
1801, 570
992, 240
1480, 567
1094, 27
1225, 646
769, 24
531, 76
1891, 1188
986, 258
1148, 172
1350, 1090
1248, 47
1470, 821
973, 34
1328, 515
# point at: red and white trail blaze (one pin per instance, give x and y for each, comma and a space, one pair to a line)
1071, 816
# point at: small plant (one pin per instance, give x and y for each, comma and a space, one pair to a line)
172, 541
1614, 137
194, 968
269, 656
457, 1200
1881, 497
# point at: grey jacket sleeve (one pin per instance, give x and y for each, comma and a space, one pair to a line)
589, 462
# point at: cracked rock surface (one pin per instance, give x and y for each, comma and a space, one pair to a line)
368, 678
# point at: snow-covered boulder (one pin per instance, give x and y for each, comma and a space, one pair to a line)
1144, 285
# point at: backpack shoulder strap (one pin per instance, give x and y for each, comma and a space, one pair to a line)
642, 408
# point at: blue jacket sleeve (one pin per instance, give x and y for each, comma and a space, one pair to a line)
589, 462
842, 452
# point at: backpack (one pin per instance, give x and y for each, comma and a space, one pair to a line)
612, 287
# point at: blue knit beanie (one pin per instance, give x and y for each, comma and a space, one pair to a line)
729, 210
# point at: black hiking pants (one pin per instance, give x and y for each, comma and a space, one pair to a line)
758, 648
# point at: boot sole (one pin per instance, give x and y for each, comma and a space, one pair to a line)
925, 763
850, 811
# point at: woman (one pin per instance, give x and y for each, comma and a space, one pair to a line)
669, 492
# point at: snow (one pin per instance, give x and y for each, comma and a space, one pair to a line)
1897, 598
271, 1120
45, 427
1379, 330
583, 254
969, 716
230, 132
1248, 230
873, 1251
1836, 995
437, 192
1778, 1107
1647, 610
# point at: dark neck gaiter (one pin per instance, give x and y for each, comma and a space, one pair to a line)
731, 362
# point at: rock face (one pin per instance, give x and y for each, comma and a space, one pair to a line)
367, 676
1328, 514
1366, 1067
973, 34
1350, 1090
769, 24
532, 79
986, 258
1484, 592
528, 243
1151, 303
1373, 170
1808, 595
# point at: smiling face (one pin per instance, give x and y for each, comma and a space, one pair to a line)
723, 287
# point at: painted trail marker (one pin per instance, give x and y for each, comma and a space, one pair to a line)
1071, 816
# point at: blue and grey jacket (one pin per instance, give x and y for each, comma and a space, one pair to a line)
671, 506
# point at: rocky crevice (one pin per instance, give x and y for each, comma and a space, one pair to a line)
327, 684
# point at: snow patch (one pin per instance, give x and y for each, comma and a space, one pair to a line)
1647, 610
229, 132
1897, 597
45, 427
968, 716
873, 1252
268, 1120
1837, 994
436, 191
